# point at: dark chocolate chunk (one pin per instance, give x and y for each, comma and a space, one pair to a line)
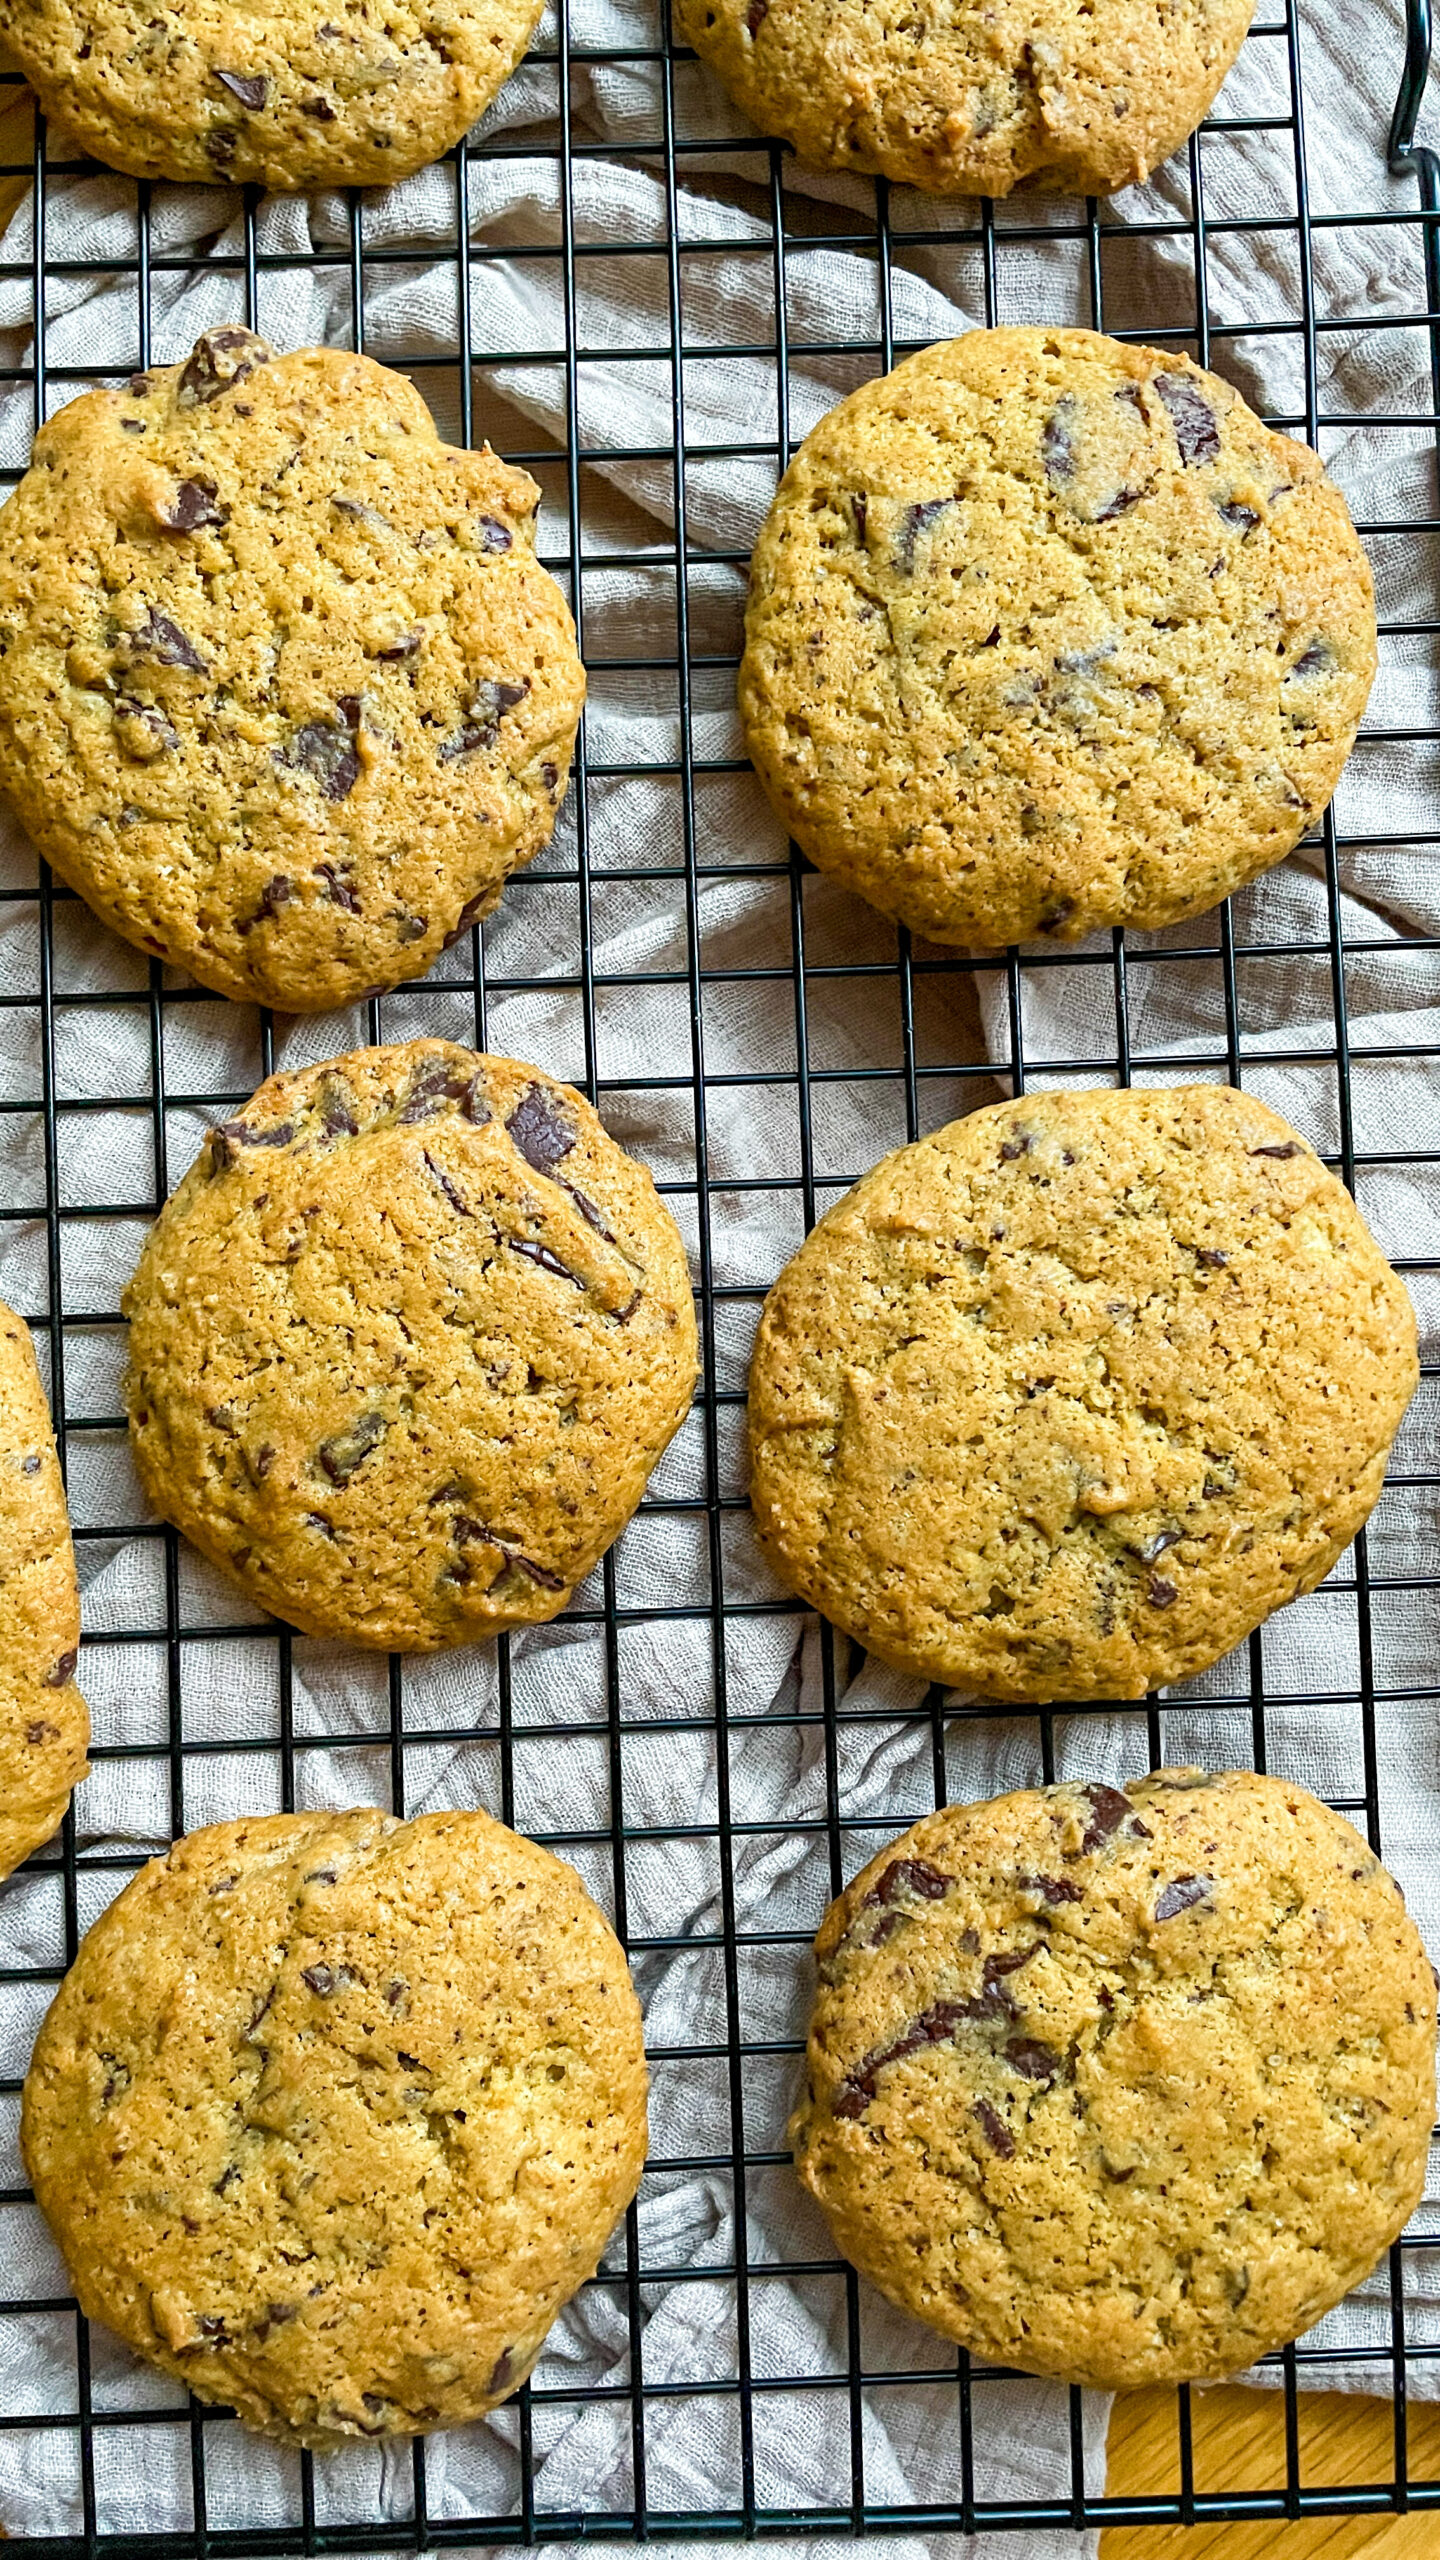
321, 1875
160, 638
40, 1731
1020, 1145
996, 2131
908, 1876
1233, 511
30, 1465
1317, 660
213, 2329
1191, 416
144, 732
587, 1209
337, 888
326, 750
1116, 2177
935, 2025
494, 536
1157, 1545
319, 108
1055, 916
1212, 1258
476, 1531
219, 360
1290, 1147
323, 1979
276, 894
1161, 1592
433, 1088
546, 1260
1119, 505
411, 928
342, 1454
251, 90
463, 922
912, 524
503, 2376
1033, 2060
62, 1670
138, 386
1057, 440
539, 1129
337, 1117
406, 644
232, 1135
1054, 1888
1182, 1895
1108, 1809
317, 1520
860, 510
195, 503
456, 1198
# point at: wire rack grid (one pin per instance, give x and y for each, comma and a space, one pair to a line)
935, 1031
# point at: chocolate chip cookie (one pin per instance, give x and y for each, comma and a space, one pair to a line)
1065, 1399
974, 102
284, 691
302, 97
44, 1727
332, 2113
1123, 2087
405, 1345
1047, 633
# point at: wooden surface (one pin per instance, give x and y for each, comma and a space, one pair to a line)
1239, 2443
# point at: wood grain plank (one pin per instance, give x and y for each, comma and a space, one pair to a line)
1239, 2443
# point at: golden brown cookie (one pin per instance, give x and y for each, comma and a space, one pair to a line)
977, 101
1064, 1400
44, 1726
303, 97
332, 2113
1047, 633
284, 691
405, 1345
1122, 2088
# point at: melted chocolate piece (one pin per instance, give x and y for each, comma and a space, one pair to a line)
1191, 416
1233, 511
1290, 1147
341, 1455
467, 1531
276, 894
539, 1130
40, 1731
63, 1670
1119, 505
1317, 660
251, 90
194, 504
1108, 1809
494, 536
907, 1876
227, 1141
996, 2131
1161, 1592
323, 1979
407, 644
457, 1200
546, 1260
337, 888
144, 732
160, 638
319, 108
219, 360
860, 510
463, 922
502, 2378
1182, 1895
1157, 1545
1212, 1258
935, 2025
437, 1085
1013, 1148
1057, 441
1054, 1888
327, 751
912, 524
1033, 2060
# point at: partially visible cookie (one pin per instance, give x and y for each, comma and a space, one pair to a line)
1047, 633
977, 101
284, 691
332, 2113
1121, 2087
1065, 1399
44, 1726
406, 1343
303, 97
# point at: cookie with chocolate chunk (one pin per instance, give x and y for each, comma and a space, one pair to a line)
974, 103
332, 2113
304, 97
406, 1344
1046, 634
44, 1727
1121, 2086
284, 691
1063, 1400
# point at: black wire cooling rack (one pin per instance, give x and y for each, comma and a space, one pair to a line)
889, 235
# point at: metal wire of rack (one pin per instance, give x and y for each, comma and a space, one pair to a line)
929, 1080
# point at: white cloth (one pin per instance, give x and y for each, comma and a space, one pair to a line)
885, 1768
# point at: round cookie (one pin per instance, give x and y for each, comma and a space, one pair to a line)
332, 2113
978, 102
303, 97
1122, 2088
1047, 634
1065, 1399
405, 1345
284, 691
44, 1726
